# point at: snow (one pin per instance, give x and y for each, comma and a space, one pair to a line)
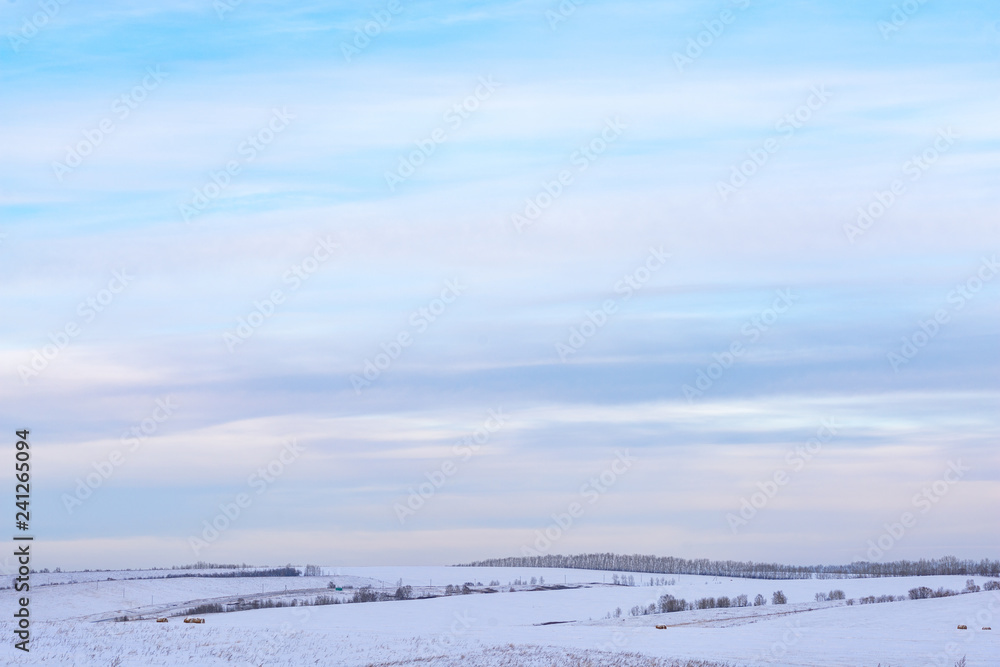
108, 599
526, 627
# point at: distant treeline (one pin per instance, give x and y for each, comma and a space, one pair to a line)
202, 565
275, 572
749, 569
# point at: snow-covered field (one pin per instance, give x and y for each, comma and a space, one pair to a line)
556, 626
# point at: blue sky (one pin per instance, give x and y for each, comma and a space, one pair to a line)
808, 112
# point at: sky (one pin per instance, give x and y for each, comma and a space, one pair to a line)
417, 283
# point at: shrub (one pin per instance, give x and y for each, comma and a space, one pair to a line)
326, 599
991, 586
836, 595
778, 597
759, 601
741, 601
404, 592
970, 586
638, 610
871, 599
668, 603
723, 602
920, 593
365, 594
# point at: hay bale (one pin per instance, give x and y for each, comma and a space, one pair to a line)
661, 627
161, 620
986, 627
963, 627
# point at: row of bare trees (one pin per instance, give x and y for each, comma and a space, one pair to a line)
749, 569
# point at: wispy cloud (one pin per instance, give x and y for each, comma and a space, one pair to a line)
656, 185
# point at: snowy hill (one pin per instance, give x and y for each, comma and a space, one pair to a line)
572, 619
